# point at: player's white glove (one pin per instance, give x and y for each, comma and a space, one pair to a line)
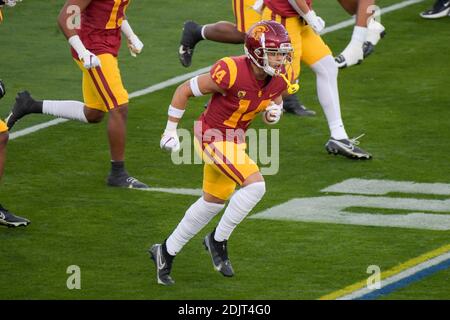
170, 141
273, 113
135, 45
316, 22
90, 60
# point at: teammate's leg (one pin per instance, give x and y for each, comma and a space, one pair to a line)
7, 218
366, 33
318, 56
222, 31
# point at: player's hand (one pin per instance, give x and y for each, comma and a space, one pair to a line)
90, 60
169, 141
135, 45
316, 22
273, 113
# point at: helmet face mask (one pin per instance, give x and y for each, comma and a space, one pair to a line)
268, 46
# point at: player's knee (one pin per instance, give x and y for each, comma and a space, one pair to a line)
121, 112
326, 67
258, 189
93, 116
4, 137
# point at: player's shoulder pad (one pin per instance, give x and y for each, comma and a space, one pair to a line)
224, 73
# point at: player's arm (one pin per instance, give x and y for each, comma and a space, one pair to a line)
68, 20
309, 15
135, 45
195, 87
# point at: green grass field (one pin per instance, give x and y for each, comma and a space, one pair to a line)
55, 177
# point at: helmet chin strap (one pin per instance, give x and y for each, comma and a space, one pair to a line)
292, 87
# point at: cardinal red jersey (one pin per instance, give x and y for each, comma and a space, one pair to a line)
231, 113
283, 7
100, 26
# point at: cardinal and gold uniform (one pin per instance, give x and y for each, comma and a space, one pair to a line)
220, 130
308, 46
101, 34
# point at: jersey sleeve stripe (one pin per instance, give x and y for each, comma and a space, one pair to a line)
231, 64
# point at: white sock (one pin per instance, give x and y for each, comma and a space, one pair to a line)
203, 32
241, 203
73, 110
359, 35
327, 90
196, 217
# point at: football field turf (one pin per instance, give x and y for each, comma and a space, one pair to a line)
398, 97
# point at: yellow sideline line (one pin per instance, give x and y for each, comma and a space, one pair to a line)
389, 273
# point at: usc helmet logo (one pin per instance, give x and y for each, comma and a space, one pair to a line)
258, 31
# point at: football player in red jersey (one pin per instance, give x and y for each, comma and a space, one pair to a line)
95, 43
9, 3
304, 27
241, 87
7, 218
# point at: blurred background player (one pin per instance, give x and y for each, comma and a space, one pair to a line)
220, 139
440, 9
246, 13
95, 44
9, 3
7, 218
304, 27
366, 33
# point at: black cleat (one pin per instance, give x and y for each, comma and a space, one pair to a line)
24, 105
219, 255
10, 220
369, 47
189, 38
163, 262
347, 148
291, 104
125, 181
440, 9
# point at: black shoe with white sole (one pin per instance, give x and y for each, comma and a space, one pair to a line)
190, 37
440, 9
347, 148
24, 105
125, 181
163, 262
219, 255
10, 220
291, 104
